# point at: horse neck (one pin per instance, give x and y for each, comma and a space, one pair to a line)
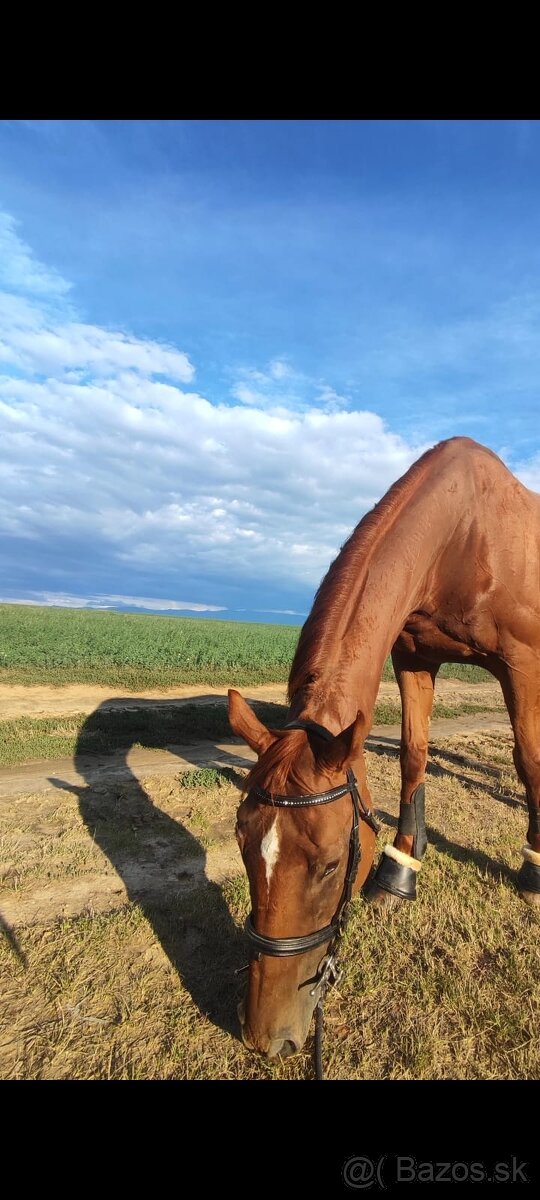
379, 578
357, 647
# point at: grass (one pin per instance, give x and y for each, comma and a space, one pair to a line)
57, 646
203, 777
25, 739
445, 988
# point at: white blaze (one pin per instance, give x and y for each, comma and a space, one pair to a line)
270, 848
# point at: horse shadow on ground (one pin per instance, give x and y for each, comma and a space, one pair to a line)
160, 861
13, 941
436, 766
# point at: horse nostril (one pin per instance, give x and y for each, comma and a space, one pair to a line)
249, 1045
281, 1049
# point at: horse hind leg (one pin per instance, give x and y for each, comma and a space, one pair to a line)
522, 704
396, 874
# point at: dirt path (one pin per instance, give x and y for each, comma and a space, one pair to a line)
41, 701
105, 769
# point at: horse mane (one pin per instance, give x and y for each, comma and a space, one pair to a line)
344, 577
278, 760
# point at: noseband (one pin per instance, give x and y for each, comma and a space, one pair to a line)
284, 947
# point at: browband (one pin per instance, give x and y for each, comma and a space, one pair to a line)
301, 801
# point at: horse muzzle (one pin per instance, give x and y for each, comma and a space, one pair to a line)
281, 1046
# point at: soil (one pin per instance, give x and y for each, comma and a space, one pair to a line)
47, 701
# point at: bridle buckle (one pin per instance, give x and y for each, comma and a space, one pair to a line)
328, 975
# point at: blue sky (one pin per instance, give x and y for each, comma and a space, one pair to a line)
220, 343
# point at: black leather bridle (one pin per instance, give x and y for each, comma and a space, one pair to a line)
283, 947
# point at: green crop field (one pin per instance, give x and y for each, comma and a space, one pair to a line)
60, 645
133, 651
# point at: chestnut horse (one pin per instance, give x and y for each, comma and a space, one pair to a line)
446, 568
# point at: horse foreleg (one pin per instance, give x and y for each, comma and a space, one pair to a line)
395, 877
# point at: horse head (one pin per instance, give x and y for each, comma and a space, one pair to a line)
303, 850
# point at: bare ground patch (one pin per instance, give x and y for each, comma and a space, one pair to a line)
42, 700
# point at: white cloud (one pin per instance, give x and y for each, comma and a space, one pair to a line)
279, 369
35, 341
331, 400
20, 270
162, 605
156, 474
285, 612
280, 389
248, 395
67, 600
39, 333
94, 449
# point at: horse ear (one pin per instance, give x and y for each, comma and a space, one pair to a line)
346, 746
246, 725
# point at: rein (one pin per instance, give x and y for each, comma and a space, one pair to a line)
281, 947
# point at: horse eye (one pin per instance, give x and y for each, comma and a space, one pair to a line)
330, 868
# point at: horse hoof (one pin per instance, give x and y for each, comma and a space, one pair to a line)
532, 899
528, 882
381, 899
